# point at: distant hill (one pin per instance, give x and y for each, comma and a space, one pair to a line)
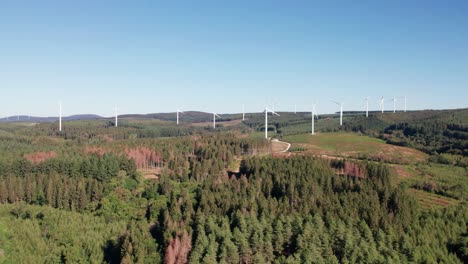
49, 119
189, 116
432, 131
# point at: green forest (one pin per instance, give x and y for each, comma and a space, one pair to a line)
150, 191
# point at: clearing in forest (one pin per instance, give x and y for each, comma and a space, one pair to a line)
429, 200
353, 145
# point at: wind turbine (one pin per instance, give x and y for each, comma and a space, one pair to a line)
314, 114
341, 111
179, 112
266, 119
394, 104
214, 119
382, 104
60, 116
367, 106
116, 117
243, 112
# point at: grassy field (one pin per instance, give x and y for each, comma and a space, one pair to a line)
353, 145
324, 124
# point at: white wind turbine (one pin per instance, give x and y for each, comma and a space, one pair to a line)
60, 116
367, 106
116, 117
341, 111
382, 104
179, 112
266, 111
214, 119
243, 112
314, 114
394, 104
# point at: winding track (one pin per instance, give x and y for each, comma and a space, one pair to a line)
288, 145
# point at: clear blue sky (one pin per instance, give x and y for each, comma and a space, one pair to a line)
155, 56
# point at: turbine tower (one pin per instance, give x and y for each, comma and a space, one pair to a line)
314, 114
266, 119
178, 112
382, 104
394, 104
367, 106
341, 111
116, 117
60, 116
214, 119
243, 112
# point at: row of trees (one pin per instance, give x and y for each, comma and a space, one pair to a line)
90, 166
431, 137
